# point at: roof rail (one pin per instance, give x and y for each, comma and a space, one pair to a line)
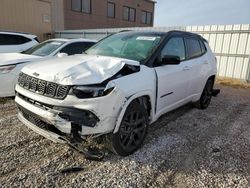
126, 30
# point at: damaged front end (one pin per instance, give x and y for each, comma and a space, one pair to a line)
69, 107
78, 111
39, 125
60, 120
81, 118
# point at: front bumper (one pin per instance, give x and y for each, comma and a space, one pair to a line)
106, 109
47, 134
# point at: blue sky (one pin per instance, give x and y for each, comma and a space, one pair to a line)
201, 12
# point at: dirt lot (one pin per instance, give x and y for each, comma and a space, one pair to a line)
186, 148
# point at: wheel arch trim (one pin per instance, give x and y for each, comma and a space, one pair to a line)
129, 100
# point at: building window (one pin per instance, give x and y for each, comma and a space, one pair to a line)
76, 5
146, 17
86, 6
81, 6
129, 14
111, 10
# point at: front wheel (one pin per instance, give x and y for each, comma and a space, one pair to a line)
206, 96
132, 131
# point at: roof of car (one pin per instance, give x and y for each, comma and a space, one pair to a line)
162, 33
19, 33
74, 40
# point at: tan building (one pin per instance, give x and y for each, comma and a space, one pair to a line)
31, 16
42, 17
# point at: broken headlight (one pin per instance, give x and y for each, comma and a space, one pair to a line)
91, 91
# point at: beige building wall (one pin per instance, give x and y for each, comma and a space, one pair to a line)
31, 16
57, 14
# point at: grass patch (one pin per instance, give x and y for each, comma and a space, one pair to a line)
233, 82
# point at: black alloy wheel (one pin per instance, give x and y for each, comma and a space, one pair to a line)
206, 96
132, 131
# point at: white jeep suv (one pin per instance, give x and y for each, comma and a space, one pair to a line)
117, 88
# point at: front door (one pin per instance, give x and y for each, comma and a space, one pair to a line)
172, 79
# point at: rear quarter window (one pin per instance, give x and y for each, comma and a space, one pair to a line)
7, 39
193, 48
203, 47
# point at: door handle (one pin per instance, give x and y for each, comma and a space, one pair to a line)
186, 68
206, 62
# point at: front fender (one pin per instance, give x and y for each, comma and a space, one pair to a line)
129, 100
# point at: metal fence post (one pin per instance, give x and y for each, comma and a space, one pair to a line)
248, 70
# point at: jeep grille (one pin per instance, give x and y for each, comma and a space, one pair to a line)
42, 87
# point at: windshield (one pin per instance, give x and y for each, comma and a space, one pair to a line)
134, 46
45, 48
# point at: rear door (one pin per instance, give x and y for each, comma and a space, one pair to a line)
172, 79
198, 63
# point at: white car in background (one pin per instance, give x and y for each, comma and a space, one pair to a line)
12, 63
16, 42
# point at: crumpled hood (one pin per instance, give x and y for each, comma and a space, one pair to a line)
78, 69
13, 58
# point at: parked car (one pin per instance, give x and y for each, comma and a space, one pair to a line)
12, 63
16, 42
118, 88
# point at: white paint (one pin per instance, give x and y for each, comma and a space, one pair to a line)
82, 69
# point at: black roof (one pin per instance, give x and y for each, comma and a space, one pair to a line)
165, 33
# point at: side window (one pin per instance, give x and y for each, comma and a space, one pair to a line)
21, 39
2, 39
76, 48
193, 47
6, 39
174, 47
203, 47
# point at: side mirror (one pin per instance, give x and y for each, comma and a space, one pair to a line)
61, 55
171, 60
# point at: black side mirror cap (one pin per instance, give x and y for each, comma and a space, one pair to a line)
171, 60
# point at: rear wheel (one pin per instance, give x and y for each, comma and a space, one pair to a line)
206, 96
132, 131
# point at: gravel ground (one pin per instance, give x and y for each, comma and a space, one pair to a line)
185, 148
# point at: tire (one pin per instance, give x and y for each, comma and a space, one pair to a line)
132, 131
206, 96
